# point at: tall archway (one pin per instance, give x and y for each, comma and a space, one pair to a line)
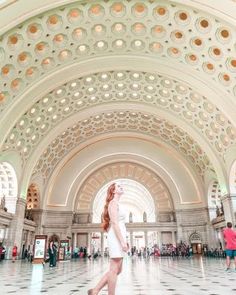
155, 188
8, 186
136, 200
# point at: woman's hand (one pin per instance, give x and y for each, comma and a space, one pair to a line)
124, 247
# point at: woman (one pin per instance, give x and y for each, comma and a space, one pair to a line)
14, 253
114, 224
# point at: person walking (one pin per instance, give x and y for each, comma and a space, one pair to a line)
230, 247
114, 224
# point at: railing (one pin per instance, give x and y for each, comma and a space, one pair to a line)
218, 219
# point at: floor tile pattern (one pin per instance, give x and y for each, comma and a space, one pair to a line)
152, 276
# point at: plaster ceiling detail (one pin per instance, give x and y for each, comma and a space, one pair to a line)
33, 197
126, 170
82, 30
8, 180
119, 87
125, 121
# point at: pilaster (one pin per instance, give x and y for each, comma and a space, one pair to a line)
16, 227
229, 205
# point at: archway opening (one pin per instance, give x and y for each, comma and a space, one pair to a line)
8, 187
214, 201
136, 200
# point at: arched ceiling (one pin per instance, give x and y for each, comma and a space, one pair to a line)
119, 87
189, 41
160, 201
82, 30
63, 188
123, 121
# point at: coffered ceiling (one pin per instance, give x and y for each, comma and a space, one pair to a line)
72, 71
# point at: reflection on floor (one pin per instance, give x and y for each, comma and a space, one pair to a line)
151, 276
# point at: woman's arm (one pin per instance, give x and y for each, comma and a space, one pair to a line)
113, 213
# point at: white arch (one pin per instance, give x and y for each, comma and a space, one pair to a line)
66, 181
136, 199
212, 90
218, 166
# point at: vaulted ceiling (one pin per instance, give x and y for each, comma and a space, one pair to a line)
77, 72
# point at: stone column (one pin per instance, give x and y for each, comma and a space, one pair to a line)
28, 236
159, 239
229, 205
173, 237
212, 240
145, 238
16, 227
131, 239
180, 236
89, 235
222, 240
74, 240
102, 243
39, 217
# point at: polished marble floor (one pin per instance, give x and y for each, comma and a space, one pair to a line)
153, 276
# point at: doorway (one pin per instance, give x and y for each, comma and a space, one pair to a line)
197, 248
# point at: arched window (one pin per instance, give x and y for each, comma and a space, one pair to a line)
33, 197
232, 179
214, 202
8, 186
136, 199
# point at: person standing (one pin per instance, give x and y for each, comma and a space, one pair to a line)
51, 254
54, 254
14, 253
114, 224
230, 247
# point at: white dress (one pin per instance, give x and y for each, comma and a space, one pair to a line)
115, 249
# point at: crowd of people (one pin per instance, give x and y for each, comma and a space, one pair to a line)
180, 250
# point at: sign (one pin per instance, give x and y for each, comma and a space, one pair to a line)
63, 250
61, 254
40, 245
39, 249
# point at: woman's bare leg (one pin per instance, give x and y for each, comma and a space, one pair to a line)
115, 266
110, 277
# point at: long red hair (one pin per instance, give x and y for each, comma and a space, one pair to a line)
105, 215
